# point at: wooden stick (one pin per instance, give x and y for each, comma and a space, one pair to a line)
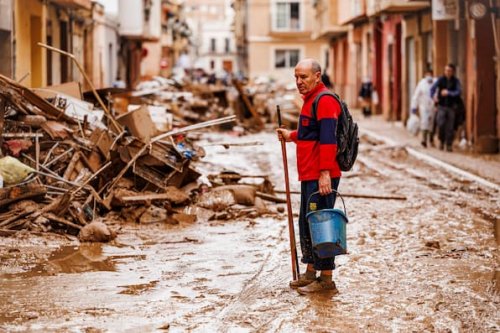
353, 195
291, 229
3, 105
61, 220
69, 151
249, 105
229, 144
50, 153
71, 165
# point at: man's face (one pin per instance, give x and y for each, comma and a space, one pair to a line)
305, 79
448, 72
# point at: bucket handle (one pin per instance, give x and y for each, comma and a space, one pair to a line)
333, 204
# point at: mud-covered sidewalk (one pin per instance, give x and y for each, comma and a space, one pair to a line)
428, 263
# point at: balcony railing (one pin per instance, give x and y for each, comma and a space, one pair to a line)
351, 10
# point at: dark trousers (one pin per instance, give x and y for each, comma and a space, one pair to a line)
317, 202
446, 124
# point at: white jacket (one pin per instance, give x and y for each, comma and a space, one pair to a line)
422, 101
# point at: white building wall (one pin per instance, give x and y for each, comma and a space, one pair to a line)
111, 50
132, 18
203, 32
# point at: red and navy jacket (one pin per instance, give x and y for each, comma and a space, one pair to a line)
315, 138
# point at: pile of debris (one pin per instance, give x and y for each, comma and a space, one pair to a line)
68, 161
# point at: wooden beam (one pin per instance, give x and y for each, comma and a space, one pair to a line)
3, 105
255, 114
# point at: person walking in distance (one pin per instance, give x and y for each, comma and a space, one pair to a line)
446, 93
423, 102
365, 96
317, 168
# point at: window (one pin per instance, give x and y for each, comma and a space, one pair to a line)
227, 45
287, 15
286, 58
213, 45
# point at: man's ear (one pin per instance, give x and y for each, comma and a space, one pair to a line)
318, 77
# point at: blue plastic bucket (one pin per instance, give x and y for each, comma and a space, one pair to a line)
328, 231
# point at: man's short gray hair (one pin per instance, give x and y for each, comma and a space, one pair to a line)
315, 66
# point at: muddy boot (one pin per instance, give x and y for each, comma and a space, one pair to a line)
319, 286
304, 279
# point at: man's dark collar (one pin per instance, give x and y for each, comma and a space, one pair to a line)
318, 87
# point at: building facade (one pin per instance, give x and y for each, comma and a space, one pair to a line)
213, 43
136, 30
278, 36
393, 42
6, 45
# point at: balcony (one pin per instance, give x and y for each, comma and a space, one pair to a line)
326, 20
377, 7
351, 11
74, 4
140, 19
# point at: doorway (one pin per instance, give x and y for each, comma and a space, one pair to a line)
411, 70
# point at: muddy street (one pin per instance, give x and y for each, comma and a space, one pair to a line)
428, 263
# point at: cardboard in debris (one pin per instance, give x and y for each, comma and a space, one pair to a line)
139, 123
79, 110
72, 89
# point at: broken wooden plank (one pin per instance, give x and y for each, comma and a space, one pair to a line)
166, 135
71, 166
12, 194
249, 105
6, 233
22, 96
173, 195
61, 220
34, 121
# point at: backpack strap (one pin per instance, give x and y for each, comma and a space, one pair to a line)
317, 98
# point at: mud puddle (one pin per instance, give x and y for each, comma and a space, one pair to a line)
87, 257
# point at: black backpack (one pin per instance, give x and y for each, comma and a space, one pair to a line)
347, 133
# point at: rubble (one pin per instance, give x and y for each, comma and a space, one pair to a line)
85, 166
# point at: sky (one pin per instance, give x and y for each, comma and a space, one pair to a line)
111, 6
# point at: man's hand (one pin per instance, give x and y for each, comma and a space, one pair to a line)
325, 182
444, 92
283, 134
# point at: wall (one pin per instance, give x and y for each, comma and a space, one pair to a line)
150, 65
111, 48
263, 41
6, 37
485, 131
30, 59
261, 58
55, 35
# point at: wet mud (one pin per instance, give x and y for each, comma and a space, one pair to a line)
429, 263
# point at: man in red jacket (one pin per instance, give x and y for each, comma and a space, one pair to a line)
317, 167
